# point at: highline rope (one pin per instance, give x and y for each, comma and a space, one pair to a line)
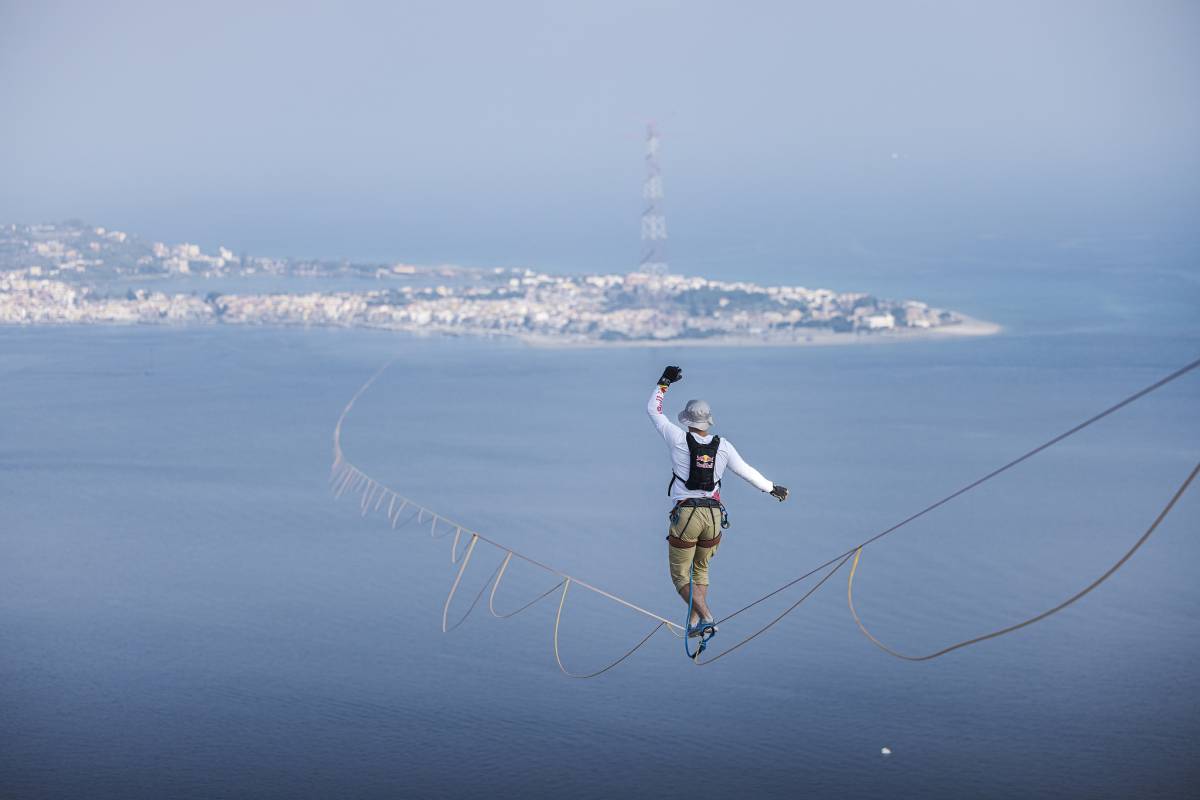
346, 477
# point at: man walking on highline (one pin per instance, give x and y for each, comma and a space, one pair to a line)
698, 459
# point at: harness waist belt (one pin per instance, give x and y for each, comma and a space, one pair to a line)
700, 502
683, 544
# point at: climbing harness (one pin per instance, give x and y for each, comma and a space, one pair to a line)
691, 544
684, 544
373, 495
692, 503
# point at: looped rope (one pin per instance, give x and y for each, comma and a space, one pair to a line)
496, 586
1002, 631
976, 483
558, 619
772, 623
454, 588
346, 477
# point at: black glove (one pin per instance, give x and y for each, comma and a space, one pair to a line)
670, 375
780, 493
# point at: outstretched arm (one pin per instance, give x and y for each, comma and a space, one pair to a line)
654, 408
745, 471
753, 476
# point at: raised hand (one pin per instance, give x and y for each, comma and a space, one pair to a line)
670, 375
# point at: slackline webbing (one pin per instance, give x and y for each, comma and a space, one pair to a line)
346, 477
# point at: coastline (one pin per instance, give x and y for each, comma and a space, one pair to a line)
76, 274
967, 328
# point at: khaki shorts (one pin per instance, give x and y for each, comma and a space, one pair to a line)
694, 524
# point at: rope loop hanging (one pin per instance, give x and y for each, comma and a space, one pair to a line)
1031, 620
558, 657
496, 587
346, 477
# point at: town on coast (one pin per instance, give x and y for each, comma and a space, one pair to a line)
72, 273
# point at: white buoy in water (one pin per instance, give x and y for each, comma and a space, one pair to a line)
887, 751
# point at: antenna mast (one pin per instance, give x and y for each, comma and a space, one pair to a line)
654, 223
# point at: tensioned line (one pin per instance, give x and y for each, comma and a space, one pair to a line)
345, 476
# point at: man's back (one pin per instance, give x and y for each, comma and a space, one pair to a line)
680, 454
697, 514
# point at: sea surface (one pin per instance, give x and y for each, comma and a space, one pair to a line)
187, 612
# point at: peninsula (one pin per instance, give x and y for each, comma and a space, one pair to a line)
72, 273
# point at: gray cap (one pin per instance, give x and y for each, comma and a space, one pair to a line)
696, 414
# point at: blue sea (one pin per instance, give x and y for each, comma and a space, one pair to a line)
187, 612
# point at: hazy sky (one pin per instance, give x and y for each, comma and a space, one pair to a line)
512, 132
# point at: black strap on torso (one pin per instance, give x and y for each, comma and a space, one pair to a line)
702, 466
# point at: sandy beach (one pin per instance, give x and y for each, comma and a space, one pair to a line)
968, 327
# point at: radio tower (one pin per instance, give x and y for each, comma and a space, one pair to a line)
654, 223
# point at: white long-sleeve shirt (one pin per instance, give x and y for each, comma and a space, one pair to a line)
676, 438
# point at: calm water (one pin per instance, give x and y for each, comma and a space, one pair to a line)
187, 613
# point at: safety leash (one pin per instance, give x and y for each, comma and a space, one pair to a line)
708, 633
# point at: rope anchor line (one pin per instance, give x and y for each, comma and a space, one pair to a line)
346, 477
1031, 620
